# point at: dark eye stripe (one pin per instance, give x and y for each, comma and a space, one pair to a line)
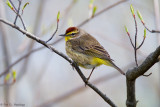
72, 34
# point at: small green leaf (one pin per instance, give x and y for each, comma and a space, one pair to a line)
144, 33
126, 28
58, 15
7, 77
132, 9
139, 15
94, 11
9, 4
25, 5
14, 74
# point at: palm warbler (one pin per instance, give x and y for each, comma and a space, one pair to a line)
86, 51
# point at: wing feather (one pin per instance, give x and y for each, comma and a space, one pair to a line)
88, 45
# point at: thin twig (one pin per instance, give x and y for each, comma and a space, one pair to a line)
135, 46
63, 14
53, 33
13, 5
152, 31
130, 39
147, 75
141, 44
20, 1
24, 26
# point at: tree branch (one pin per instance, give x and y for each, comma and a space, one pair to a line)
144, 67
133, 74
31, 36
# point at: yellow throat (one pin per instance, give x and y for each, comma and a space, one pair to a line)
67, 38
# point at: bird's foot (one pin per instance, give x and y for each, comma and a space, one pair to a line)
86, 82
72, 64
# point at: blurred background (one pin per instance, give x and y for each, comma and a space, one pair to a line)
44, 79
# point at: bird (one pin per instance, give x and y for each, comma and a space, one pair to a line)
86, 51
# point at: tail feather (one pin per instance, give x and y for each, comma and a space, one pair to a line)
116, 67
110, 63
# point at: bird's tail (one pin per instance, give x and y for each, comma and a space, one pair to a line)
110, 63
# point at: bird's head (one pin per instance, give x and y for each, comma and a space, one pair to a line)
71, 32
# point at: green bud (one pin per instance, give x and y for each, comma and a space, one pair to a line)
144, 33
14, 74
9, 4
25, 5
139, 15
7, 77
94, 10
126, 28
58, 15
132, 9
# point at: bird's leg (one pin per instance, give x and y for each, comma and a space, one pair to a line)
90, 73
89, 76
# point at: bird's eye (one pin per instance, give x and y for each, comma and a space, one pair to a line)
72, 34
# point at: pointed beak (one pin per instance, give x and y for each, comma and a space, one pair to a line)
63, 35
